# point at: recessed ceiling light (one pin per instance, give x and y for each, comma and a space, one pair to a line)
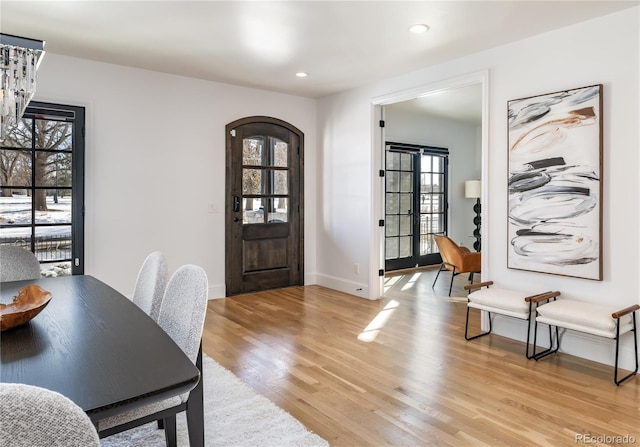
419, 28
302, 74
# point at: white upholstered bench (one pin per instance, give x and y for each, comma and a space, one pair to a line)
511, 303
594, 319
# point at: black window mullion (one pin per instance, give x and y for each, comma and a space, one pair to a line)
33, 185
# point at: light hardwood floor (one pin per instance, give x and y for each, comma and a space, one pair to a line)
399, 372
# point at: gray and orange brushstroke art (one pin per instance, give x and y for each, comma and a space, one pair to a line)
555, 188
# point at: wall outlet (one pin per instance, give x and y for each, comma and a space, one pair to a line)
356, 268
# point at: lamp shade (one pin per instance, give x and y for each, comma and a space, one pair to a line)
472, 189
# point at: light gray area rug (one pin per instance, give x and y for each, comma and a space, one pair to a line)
234, 416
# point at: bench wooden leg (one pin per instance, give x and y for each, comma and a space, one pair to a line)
635, 345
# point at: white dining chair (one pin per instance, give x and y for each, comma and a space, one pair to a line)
151, 283
31, 416
182, 315
17, 264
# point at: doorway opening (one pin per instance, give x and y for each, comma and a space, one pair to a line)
443, 97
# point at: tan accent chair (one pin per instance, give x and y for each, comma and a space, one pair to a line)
457, 259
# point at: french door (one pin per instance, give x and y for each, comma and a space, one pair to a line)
415, 204
42, 186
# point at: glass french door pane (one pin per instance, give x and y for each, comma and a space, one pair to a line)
20, 136
392, 203
16, 169
406, 162
406, 181
427, 244
406, 205
53, 243
406, 246
252, 181
53, 168
252, 151
280, 154
426, 163
393, 181
279, 210
15, 209
392, 226
437, 182
406, 227
437, 203
392, 247
393, 160
279, 182
19, 236
58, 135
253, 210
58, 206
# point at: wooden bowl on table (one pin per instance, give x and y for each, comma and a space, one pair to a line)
29, 303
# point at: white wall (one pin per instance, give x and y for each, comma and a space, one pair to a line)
464, 160
603, 50
155, 160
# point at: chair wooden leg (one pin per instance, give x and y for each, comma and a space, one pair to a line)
195, 409
170, 431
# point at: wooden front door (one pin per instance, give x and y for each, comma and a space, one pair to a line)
264, 224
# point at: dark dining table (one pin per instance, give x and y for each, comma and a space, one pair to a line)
95, 346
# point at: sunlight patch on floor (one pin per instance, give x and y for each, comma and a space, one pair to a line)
411, 282
390, 282
373, 329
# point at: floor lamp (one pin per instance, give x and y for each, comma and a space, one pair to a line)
472, 190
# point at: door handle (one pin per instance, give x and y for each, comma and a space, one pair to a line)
236, 204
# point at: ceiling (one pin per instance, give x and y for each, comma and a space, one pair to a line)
262, 44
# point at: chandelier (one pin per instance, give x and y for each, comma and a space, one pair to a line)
19, 59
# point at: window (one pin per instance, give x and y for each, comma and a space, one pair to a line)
42, 186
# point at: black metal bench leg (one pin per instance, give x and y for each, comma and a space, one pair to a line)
550, 350
635, 346
466, 328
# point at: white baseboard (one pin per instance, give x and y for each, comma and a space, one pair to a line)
342, 285
217, 291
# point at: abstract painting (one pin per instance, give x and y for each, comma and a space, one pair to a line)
555, 187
